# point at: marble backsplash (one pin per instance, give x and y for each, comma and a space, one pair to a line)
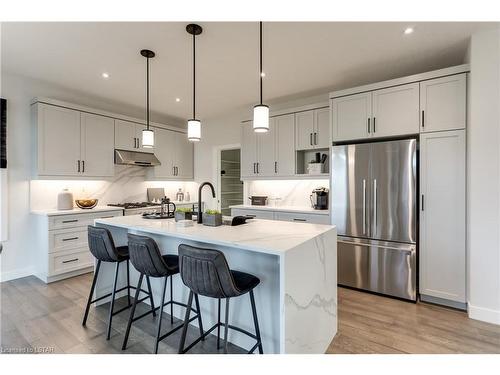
284, 192
128, 185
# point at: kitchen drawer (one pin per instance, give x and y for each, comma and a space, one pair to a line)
67, 261
257, 214
79, 220
67, 239
302, 218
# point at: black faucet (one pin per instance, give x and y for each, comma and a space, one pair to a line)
200, 220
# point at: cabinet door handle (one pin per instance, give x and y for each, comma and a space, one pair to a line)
310, 139
70, 221
253, 167
176, 171
258, 168
368, 125
78, 166
374, 126
83, 166
275, 167
316, 138
422, 202
297, 219
70, 239
71, 260
423, 118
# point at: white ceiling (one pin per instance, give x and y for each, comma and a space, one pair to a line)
299, 58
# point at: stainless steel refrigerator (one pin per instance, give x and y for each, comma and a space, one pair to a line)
373, 205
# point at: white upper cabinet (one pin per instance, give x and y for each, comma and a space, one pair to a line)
312, 129
183, 156
248, 150
128, 136
442, 215
266, 157
285, 139
351, 117
97, 145
58, 131
395, 111
175, 154
443, 103
165, 144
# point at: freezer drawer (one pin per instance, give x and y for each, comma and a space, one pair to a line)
383, 267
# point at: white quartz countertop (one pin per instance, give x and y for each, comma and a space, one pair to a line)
302, 209
76, 210
265, 236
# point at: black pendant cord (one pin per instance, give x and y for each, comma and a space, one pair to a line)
260, 73
194, 76
147, 93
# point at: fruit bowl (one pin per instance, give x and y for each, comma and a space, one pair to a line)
86, 203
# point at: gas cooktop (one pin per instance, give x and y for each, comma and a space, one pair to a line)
129, 205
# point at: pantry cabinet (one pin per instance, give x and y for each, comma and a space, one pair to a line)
73, 143
312, 129
442, 216
175, 154
443, 103
128, 136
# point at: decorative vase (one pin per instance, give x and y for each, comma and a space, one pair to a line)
65, 200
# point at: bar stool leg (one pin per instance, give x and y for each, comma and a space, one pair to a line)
132, 312
186, 322
226, 328
89, 301
218, 323
151, 296
128, 282
255, 321
200, 323
160, 315
111, 308
171, 300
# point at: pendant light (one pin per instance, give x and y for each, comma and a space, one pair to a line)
194, 125
261, 111
148, 136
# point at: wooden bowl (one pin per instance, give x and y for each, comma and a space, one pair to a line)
86, 203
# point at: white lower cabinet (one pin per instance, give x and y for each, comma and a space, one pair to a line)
442, 217
62, 244
257, 214
297, 217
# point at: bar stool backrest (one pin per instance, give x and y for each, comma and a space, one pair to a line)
101, 244
146, 257
206, 272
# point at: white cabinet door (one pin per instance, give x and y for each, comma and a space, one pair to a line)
396, 111
285, 140
321, 137
351, 117
58, 141
442, 215
97, 145
266, 147
248, 150
125, 135
304, 130
164, 151
255, 214
138, 134
443, 103
183, 156
298, 217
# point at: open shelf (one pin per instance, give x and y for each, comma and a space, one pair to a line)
304, 157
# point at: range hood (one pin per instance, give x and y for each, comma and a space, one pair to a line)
143, 159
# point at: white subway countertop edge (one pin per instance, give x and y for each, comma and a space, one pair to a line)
302, 209
76, 210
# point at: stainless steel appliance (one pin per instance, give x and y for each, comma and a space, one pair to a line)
319, 198
137, 208
373, 205
143, 159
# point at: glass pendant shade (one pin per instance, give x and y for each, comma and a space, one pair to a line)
261, 118
194, 130
148, 138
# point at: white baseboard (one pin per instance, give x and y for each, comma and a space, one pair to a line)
484, 314
16, 274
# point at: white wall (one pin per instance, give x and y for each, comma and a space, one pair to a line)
129, 183
484, 178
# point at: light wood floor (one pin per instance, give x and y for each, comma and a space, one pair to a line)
36, 315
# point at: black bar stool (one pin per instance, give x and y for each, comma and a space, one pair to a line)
206, 272
147, 260
103, 248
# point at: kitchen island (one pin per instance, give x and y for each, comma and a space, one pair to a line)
296, 263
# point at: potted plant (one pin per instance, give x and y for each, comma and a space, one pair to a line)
183, 213
212, 218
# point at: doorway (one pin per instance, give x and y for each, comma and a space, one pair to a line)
231, 186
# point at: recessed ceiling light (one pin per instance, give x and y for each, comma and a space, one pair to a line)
262, 74
105, 75
408, 30
177, 100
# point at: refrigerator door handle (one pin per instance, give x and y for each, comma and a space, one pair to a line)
410, 249
364, 206
374, 206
